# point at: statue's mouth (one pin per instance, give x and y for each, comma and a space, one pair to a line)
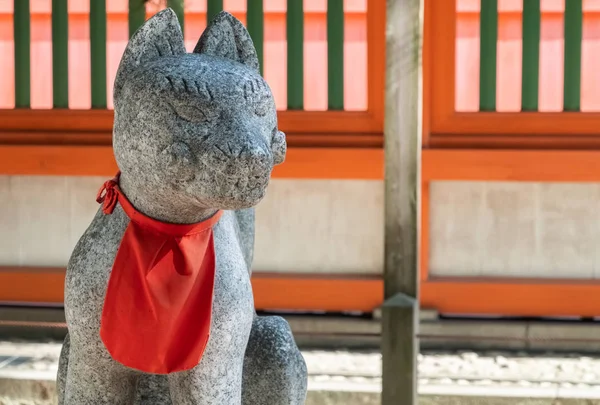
242, 189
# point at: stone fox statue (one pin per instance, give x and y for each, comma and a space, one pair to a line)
158, 299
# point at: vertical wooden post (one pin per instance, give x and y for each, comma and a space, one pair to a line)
22, 47
295, 54
402, 131
98, 52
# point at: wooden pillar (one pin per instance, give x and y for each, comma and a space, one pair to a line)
402, 133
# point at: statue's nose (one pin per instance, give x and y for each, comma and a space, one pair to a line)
253, 157
245, 158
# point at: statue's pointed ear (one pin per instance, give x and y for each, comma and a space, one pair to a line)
159, 36
227, 37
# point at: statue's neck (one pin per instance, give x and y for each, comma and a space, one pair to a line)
163, 206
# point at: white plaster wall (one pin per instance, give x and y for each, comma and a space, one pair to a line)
41, 218
329, 226
498, 229
307, 226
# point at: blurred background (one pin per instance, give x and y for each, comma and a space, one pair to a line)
510, 177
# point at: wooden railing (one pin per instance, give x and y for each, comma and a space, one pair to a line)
136, 17
334, 125
65, 128
526, 50
531, 36
510, 95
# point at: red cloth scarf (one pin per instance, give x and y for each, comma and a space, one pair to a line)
157, 311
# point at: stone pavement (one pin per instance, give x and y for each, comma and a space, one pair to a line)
27, 373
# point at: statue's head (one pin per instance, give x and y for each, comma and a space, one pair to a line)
199, 125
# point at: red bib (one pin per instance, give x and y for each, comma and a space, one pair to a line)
157, 311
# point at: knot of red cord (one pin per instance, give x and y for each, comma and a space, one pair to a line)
108, 196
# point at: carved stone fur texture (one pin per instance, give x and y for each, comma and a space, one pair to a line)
193, 133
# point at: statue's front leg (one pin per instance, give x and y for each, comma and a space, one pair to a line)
274, 369
218, 377
93, 377
153, 390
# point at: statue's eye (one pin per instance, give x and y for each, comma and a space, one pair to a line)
262, 107
191, 113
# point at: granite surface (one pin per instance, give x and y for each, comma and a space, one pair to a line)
193, 134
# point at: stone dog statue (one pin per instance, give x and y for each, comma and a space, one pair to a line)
195, 138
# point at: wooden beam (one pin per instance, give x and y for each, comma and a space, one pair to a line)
443, 48
402, 144
57, 160
525, 141
300, 122
376, 57
294, 140
575, 166
518, 297
518, 123
271, 291
340, 293
94, 160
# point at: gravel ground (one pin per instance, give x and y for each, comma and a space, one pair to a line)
462, 367
465, 368
41, 357
363, 369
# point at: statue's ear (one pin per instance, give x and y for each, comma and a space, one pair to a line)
227, 37
159, 36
